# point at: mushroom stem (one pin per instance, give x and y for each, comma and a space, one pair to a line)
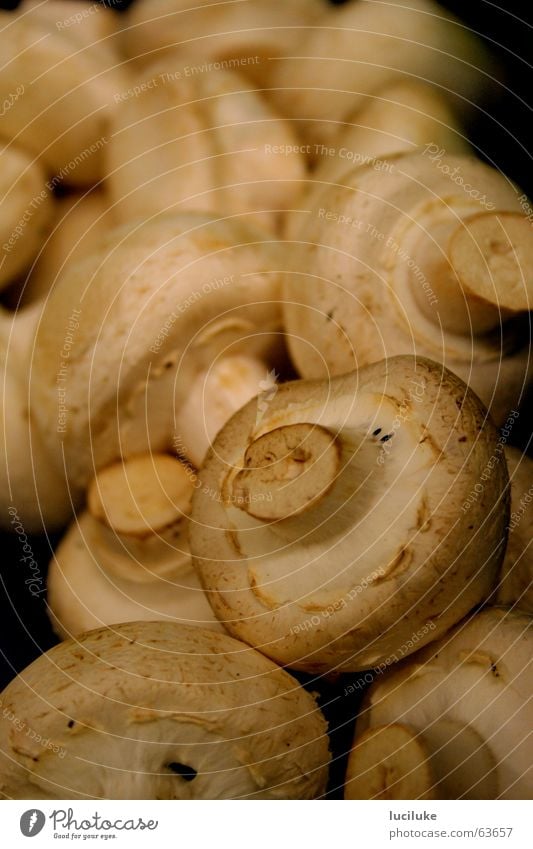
286, 472
478, 270
138, 509
215, 395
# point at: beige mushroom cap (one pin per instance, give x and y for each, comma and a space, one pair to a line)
63, 119
207, 142
27, 211
328, 528
153, 309
358, 48
466, 700
515, 584
380, 268
160, 711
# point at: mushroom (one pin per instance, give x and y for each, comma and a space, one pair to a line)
241, 35
82, 222
68, 85
206, 142
126, 557
327, 528
156, 710
515, 586
162, 303
428, 253
454, 721
358, 48
27, 209
30, 482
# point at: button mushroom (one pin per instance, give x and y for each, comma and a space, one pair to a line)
161, 304
515, 586
453, 722
126, 557
327, 528
206, 142
154, 710
68, 84
27, 211
427, 253
358, 48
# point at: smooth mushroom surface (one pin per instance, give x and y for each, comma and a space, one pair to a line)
155, 710
454, 721
27, 211
126, 557
72, 79
358, 48
515, 584
204, 143
423, 253
161, 304
328, 526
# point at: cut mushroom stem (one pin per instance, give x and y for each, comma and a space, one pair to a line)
138, 509
215, 395
480, 271
286, 472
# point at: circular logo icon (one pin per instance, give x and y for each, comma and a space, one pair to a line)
32, 822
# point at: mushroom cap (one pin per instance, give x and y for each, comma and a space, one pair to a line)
64, 121
91, 584
157, 305
206, 142
515, 586
27, 210
475, 680
155, 710
358, 48
354, 290
365, 573
244, 35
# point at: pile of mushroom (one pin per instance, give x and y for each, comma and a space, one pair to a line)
155, 710
453, 721
200, 200
328, 526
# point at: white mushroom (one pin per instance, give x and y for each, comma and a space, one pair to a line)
453, 722
358, 48
68, 86
30, 482
328, 525
160, 305
155, 710
82, 222
207, 142
27, 210
427, 253
247, 34
126, 558
515, 585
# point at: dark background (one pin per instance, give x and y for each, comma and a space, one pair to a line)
502, 136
